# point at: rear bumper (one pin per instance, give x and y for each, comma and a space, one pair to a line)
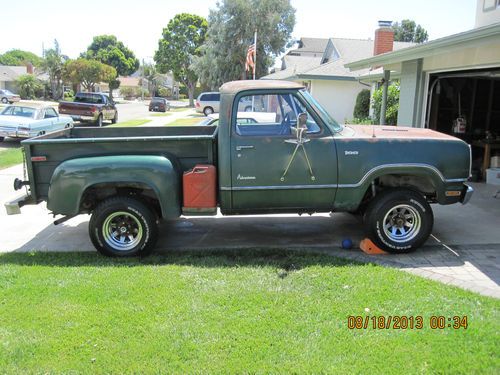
83, 118
14, 207
466, 194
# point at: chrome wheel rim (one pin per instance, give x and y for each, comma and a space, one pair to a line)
122, 231
402, 223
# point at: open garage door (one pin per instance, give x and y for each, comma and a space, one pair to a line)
466, 104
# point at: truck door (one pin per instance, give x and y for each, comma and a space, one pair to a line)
272, 168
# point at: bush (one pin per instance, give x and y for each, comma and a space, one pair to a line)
29, 86
164, 92
69, 95
391, 116
362, 107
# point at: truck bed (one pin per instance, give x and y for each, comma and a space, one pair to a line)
186, 146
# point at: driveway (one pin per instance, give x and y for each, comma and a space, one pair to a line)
464, 249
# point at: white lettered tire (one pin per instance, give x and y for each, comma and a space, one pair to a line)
399, 220
123, 227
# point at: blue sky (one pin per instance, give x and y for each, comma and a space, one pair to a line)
139, 23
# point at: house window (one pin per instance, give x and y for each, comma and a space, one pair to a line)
490, 5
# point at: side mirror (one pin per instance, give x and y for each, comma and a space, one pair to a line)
302, 120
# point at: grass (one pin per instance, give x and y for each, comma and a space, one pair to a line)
160, 114
10, 157
180, 109
135, 122
231, 312
185, 121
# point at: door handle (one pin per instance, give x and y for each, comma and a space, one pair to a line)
239, 148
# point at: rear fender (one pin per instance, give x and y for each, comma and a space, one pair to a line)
73, 177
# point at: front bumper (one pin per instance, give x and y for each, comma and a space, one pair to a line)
466, 194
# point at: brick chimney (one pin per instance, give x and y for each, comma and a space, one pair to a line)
384, 38
29, 68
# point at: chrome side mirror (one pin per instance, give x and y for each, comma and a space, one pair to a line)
302, 120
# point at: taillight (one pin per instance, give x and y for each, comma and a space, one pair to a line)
93, 109
197, 104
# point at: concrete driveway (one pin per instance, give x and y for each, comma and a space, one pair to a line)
464, 249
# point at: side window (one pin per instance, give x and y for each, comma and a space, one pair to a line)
271, 115
50, 113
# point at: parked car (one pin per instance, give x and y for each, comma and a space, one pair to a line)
302, 161
208, 103
26, 121
90, 107
7, 96
159, 105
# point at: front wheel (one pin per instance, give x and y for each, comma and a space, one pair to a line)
123, 227
1, 139
399, 220
5, 100
208, 111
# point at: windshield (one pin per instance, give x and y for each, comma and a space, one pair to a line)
324, 114
19, 111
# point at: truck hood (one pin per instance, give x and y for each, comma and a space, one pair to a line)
392, 132
14, 121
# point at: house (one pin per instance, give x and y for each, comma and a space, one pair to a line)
318, 63
9, 75
451, 84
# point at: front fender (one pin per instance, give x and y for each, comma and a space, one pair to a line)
72, 177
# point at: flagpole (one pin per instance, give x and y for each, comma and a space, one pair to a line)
255, 54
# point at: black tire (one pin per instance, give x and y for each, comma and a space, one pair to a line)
1, 139
115, 118
99, 121
248, 108
208, 111
5, 100
399, 220
118, 215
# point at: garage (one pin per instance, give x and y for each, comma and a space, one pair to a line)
466, 104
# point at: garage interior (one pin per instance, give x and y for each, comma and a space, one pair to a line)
466, 104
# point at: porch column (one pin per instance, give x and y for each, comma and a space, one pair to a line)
383, 109
411, 96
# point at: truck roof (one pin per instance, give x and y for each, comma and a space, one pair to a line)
236, 86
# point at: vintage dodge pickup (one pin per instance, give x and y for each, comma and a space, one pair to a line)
300, 161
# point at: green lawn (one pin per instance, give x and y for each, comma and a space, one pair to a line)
160, 114
231, 312
186, 121
135, 122
10, 157
179, 109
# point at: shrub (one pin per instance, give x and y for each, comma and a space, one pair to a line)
164, 92
29, 86
362, 107
391, 116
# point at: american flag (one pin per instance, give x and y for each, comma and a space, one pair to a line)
250, 54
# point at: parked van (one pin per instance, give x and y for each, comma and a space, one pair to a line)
208, 103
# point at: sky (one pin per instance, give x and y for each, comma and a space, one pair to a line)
33, 24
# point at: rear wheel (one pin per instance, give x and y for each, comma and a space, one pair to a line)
123, 227
99, 120
399, 220
208, 111
115, 118
5, 100
1, 139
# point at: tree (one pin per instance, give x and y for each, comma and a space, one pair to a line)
17, 57
231, 31
88, 72
391, 115
150, 73
53, 65
110, 51
409, 31
29, 86
180, 43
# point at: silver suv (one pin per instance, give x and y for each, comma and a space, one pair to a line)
208, 103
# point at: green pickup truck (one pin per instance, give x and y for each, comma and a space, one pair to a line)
299, 160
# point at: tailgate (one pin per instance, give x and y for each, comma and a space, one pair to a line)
77, 109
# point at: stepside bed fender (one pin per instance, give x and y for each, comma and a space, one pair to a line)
73, 177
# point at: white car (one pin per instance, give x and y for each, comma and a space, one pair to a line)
27, 120
243, 118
